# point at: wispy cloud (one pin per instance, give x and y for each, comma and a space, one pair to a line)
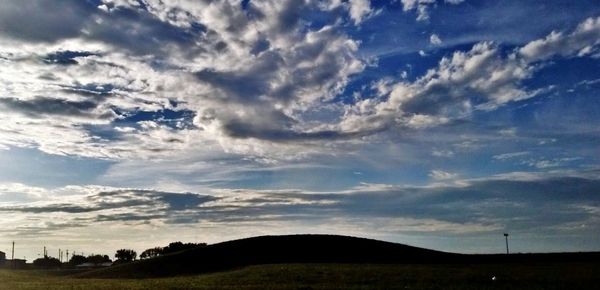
505, 156
422, 6
531, 202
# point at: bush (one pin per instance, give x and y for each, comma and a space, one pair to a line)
47, 263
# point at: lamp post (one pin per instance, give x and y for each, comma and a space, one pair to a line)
506, 238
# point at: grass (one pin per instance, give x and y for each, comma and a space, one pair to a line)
337, 276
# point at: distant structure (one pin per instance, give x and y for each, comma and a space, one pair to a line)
16, 264
3, 260
506, 238
12, 263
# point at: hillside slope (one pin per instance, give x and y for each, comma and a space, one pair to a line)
272, 250
293, 249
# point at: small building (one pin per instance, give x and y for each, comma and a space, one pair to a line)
16, 264
13, 264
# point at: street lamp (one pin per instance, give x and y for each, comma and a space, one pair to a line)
506, 238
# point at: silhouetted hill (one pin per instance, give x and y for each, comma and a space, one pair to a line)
272, 250
308, 249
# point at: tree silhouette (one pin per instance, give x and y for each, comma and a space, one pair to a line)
98, 259
47, 262
171, 248
179, 246
125, 255
77, 260
151, 253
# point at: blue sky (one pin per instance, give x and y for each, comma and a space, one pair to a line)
440, 124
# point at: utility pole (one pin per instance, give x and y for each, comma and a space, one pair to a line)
13, 255
506, 238
45, 253
67, 255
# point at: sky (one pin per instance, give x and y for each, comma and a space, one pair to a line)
436, 123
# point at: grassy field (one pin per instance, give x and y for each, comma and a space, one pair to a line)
337, 276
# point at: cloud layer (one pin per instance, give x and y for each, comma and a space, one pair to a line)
518, 202
232, 77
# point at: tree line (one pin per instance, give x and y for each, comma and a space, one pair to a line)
121, 256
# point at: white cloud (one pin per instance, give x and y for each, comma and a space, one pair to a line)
442, 153
483, 78
506, 156
508, 132
422, 6
246, 85
442, 175
445, 93
251, 83
583, 41
435, 39
360, 10
550, 163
